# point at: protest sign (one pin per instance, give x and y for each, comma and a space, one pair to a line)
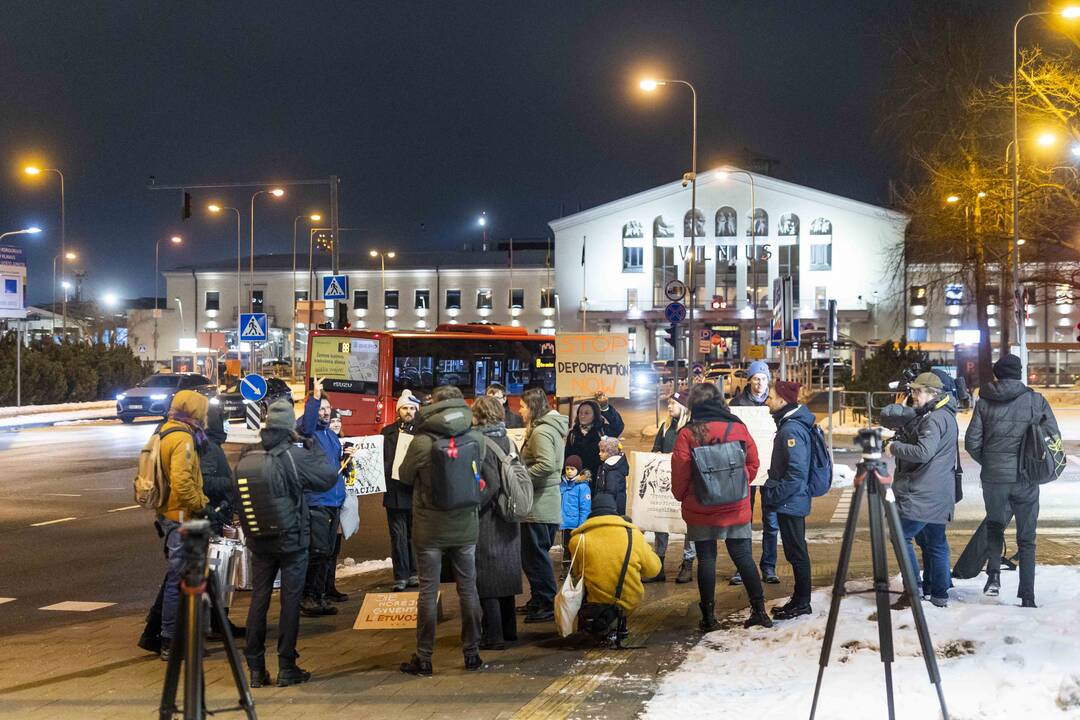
364, 475
518, 436
761, 426
654, 507
403, 443
589, 362
387, 611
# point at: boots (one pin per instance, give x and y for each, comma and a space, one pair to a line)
708, 618
292, 675
993, 584
758, 616
657, 578
686, 572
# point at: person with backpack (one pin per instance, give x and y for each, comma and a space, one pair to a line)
787, 489
611, 477
714, 462
442, 465
664, 442
575, 489
398, 496
498, 545
1010, 421
277, 474
923, 483
543, 454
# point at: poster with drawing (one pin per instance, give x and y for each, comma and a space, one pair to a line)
762, 428
364, 475
653, 507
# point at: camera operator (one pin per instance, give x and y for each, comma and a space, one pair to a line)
925, 452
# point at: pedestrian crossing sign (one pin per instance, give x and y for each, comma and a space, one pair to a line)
335, 287
252, 327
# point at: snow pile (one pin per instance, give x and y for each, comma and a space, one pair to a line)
13, 411
350, 567
996, 659
842, 476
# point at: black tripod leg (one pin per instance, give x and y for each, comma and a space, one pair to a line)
838, 588
167, 709
247, 702
194, 707
881, 587
892, 515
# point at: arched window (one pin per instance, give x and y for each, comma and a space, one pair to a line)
633, 235
661, 228
699, 223
821, 226
761, 223
789, 224
821, 244
727, 221
633, 230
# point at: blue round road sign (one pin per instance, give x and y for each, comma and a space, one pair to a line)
675, 312
253, 387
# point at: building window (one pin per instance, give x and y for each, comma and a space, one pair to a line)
631, 340
760, 223
300, 295
359, 300
547, 299
633, 230
821, 298
453, 299
422, 299
661, 228
631, 299
390, 299
727, 221
820, 254
789, 224
213, 300
517, 298
483, 299
821, 226
918, 295
954, 294
257, 300
633, 258
699, 223
1063, 295
918, 334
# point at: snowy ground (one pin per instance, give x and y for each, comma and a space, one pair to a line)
996, 659
350, 567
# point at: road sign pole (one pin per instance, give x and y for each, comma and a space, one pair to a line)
251, 415
18, 363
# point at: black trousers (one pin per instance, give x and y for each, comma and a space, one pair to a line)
321, 561
1020, 499
401, 548
793, 535
499, 621
331, 575
264, 568
742, 554
536, 542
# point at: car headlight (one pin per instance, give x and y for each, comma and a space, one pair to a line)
641, 379
121, 396
159, 396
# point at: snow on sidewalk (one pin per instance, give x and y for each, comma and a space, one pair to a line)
996, 659
107, 411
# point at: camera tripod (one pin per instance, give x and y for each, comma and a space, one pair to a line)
872, 480
187, 646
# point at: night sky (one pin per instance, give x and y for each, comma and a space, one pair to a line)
429, 112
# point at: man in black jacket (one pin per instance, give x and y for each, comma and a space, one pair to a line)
1005, 409
298, 468
398, 496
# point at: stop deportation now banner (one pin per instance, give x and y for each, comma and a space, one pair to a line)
589, 362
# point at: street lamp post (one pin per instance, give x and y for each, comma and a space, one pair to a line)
313, 217
276, 192
67, 256
25, 231
176, 240
382, 265
725, 172
32, 170
215, 208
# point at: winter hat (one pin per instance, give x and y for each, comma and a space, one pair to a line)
1008, 367
334, 414
603, 504
609, 445
787, 391
927, 381
407, 398
281, 416
573, 461
759, 367
682, 398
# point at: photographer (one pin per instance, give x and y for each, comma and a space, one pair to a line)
924, 484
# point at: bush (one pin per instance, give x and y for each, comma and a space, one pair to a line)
885, 366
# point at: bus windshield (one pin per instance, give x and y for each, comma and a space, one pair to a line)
346, 365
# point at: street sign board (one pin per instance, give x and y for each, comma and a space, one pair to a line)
706, 333
793, 341
698, 368
756, 352
675, 312
12, 282
704, 347
253, 327
675, 290
142, 350
833, 334
716, 339
335, 287
253, 387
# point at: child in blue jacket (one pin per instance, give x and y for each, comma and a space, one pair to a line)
576, 503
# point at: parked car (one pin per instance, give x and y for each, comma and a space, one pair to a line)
153, 396
232, 402
729, 379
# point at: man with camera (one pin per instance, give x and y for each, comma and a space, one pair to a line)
924, 483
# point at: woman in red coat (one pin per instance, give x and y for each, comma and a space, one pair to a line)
710, 419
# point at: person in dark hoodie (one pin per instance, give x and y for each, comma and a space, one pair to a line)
398, 496
611, 477
584, 437
787, 489
1005, 409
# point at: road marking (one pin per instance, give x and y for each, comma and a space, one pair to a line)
843, 506
77, 606
52, 522
6, 600
63, 494
126, 507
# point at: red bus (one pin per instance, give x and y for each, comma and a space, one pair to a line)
364, 372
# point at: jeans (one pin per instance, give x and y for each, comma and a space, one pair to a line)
170, 586
536, 542
770, 528
742, 554
793, 533
499, 621
1022, 499
264, 568
935, 554
401, 549
463, 564
688, 551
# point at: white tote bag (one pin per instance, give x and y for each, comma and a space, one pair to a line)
568, 601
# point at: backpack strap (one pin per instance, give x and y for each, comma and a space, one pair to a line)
625, 563
727, 430
168, 483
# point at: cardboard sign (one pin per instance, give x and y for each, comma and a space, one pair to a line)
588, 362
760, 425
518, 436
364, 475
388, 611
654, 507
403, 443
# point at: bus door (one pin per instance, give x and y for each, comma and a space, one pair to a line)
486, 370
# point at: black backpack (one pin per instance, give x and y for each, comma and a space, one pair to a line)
721, 472
262, 484
455, 472
1042, 454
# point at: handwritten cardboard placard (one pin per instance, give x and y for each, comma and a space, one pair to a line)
518, 436
364, 475
654, 507
761, 426
589, 362
388, 611
403, 443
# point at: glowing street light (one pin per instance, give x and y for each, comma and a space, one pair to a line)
382, 265
35, 170
953, 199
1071, 12
277, 192
216, 209
24, 231
649, 84
1046, 139
110, 299
313, 218
175, 240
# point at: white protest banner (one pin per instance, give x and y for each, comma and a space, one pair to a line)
589, 362
403, 443
364, 475
518, 436
654, 507
759, 423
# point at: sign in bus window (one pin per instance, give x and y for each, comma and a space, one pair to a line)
346, 365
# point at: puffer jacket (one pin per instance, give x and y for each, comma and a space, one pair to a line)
434, 528
310, 426
602, 558
611, 479
180, 458
576, 500
787, 489
1002, 415
543, 455
925, 452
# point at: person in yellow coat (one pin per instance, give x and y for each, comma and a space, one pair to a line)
613, 560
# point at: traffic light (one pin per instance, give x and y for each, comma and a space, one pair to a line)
718, 303
186, 212
672, 335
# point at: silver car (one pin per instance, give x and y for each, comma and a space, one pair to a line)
153, 396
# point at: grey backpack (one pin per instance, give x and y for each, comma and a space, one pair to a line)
721, 472
515, 499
